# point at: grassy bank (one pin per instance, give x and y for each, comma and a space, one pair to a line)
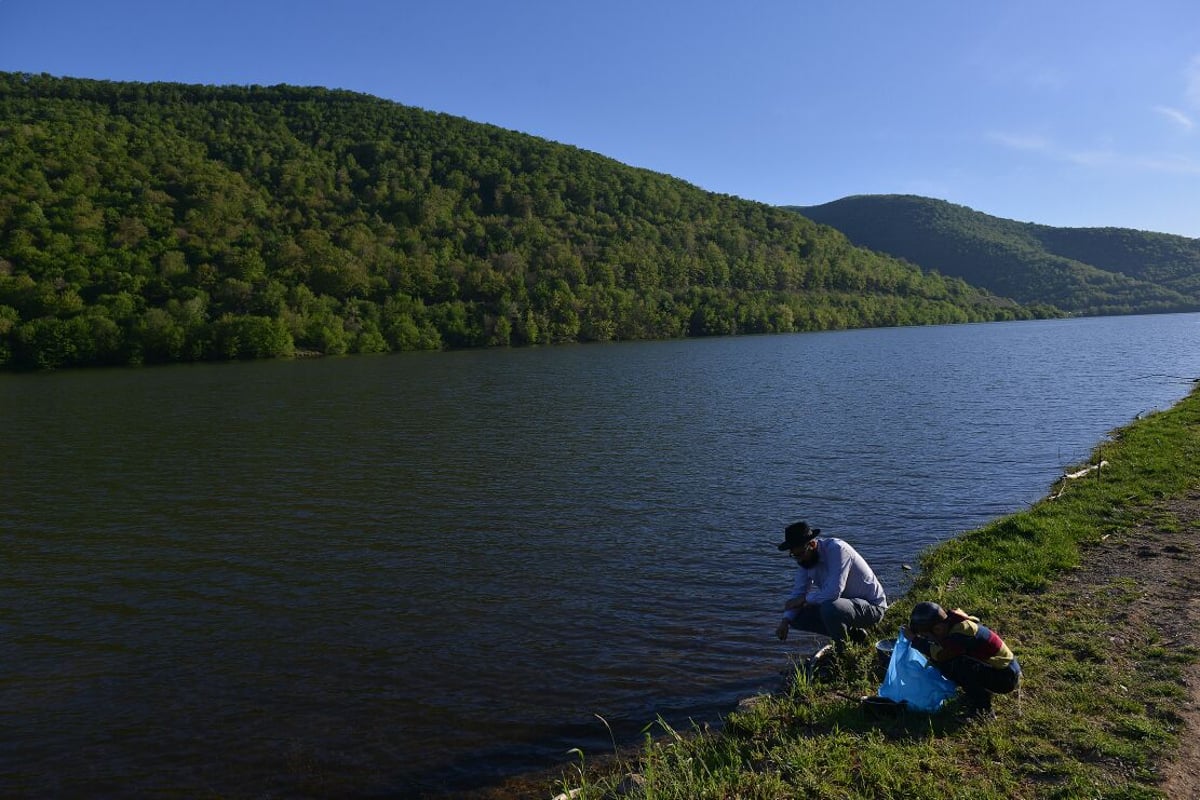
1098, 715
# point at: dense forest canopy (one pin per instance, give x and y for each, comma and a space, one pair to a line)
1080, 270
164, 222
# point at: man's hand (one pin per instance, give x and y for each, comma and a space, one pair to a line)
782, 630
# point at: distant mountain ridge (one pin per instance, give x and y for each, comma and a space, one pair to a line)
1086, 271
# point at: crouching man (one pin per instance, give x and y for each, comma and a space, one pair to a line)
834, 593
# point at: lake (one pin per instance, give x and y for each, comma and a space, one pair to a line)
386, 575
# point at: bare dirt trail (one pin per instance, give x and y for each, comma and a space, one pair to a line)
1161, 555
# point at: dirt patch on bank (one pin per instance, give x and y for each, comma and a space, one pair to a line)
1160, 556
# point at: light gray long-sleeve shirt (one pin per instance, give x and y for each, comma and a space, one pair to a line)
839, 572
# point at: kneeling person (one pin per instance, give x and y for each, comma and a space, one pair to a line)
971, 655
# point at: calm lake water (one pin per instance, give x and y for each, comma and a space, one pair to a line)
377, 576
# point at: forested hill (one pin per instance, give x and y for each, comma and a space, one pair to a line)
1081, 270
166, 222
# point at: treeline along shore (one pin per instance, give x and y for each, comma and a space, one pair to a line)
1093, 587
158, 222
153, 223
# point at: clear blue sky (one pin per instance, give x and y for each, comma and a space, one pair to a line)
1063, 112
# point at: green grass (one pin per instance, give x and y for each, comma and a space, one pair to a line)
1089, 721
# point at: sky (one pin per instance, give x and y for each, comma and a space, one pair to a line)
1075, 113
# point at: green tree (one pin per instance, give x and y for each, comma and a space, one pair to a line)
163, 222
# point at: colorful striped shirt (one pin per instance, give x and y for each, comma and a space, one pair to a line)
966, 637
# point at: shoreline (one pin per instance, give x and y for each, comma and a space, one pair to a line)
1091, 585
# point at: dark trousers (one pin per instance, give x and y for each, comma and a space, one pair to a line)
979, 681
834, 618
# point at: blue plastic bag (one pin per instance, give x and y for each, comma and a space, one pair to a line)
911, 679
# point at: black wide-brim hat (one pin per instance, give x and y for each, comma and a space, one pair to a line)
798, 534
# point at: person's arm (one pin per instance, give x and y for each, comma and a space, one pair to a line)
798, 598
794, 603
